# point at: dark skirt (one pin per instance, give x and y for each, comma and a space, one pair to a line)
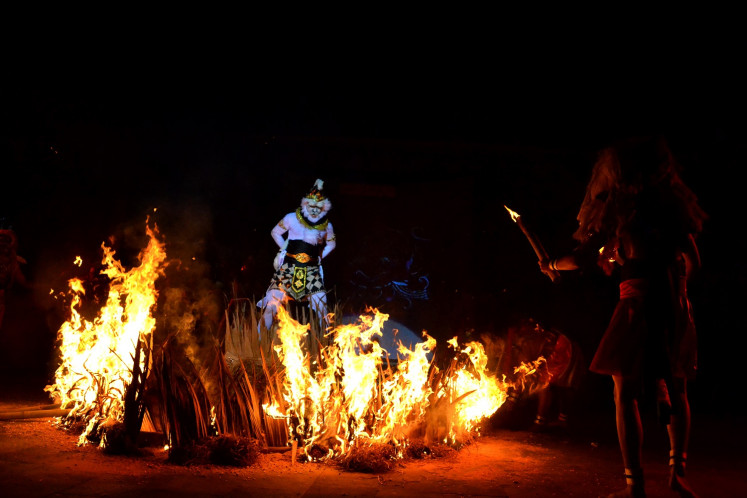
651, 332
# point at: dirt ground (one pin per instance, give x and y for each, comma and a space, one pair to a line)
39, 459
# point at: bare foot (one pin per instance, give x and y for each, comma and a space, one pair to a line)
680, 485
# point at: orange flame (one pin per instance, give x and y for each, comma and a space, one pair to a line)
97, 356
486, 392
350, 396
514, 215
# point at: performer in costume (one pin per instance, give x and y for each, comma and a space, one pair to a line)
564, 363
557, 379
298, 264
638, 214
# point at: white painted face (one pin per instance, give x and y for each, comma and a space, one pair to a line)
315, 212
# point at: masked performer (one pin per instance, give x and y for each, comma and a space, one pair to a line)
565, 366
298, 265
638, 214
557, 379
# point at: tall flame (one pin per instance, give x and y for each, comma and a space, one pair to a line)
97, 356
350, 394
486, 392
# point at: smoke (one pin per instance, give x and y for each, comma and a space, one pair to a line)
191, 301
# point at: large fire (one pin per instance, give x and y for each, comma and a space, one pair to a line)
352, 395
97, 357
348, 394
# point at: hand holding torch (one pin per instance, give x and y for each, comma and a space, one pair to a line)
539, 250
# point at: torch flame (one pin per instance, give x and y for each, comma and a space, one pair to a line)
514, 215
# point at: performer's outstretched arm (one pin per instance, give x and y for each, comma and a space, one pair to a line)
563, 263
279, 230
330, 241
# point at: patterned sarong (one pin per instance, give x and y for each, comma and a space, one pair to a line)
299, 282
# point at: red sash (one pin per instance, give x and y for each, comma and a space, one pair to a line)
634, 287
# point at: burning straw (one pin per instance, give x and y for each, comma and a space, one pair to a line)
104, 362
332, 394
354, 407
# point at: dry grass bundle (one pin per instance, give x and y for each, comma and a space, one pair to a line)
97, 419
117, 441
183, 401
224, 450
234, 451
419, 449
249, 353
237, 407
439, 450
222, 397
246, 338
194, 453
369, 457
206, 412
77, 424
378, 458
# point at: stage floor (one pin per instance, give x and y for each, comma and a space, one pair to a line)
38, 459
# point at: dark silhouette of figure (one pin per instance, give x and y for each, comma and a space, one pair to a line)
10, 266
638, 215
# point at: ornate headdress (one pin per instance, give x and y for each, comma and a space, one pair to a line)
316, 197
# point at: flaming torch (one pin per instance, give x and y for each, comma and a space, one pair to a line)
539, 249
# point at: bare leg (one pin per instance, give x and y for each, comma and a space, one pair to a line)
318, 304
679, 438
630, 435
272, 300
565, 398
663, 403
544, 402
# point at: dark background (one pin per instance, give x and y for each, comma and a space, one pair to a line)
420, 148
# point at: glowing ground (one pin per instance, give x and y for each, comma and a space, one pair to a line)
37, 459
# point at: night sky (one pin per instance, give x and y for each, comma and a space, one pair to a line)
418, 158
